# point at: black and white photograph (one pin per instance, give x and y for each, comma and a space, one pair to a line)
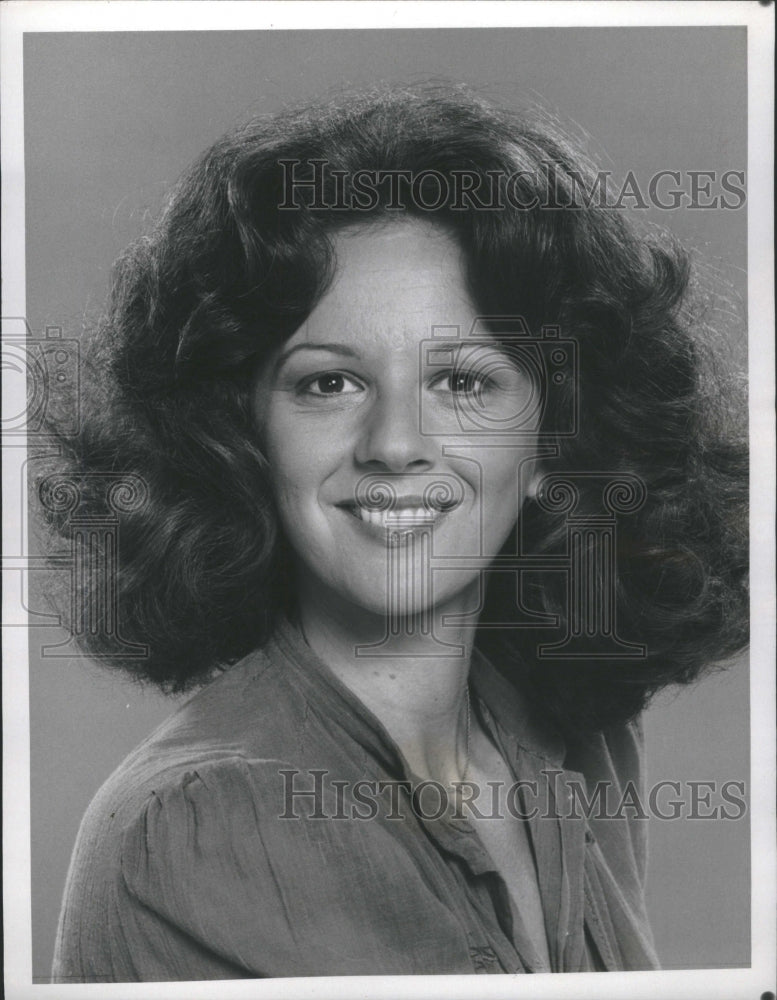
388, 534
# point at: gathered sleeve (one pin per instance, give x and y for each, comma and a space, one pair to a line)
221, 882
200, 863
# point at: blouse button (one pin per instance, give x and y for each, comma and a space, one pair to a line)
483, 958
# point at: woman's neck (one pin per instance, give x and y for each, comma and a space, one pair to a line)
416, 685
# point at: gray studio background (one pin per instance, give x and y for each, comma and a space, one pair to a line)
110, 121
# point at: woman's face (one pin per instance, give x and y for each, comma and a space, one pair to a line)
358, 397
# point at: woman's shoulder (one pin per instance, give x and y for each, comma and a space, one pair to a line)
210, 810
174, 816
162, 852
200, 776
240, 722
224, 743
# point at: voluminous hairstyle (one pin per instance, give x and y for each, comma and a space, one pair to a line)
227, 275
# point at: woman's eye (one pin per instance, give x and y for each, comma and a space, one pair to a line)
463, 383
330, 384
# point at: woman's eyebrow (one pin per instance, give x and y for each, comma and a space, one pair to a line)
332, 347
437, 351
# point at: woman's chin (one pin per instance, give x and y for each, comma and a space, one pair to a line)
370, 604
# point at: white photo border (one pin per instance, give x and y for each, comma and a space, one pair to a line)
160, 15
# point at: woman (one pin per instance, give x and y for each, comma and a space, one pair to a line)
384, 381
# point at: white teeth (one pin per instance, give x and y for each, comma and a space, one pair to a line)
409, 514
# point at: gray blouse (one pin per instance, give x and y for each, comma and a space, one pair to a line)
270, 828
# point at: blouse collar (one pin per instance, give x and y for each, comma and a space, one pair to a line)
502, 705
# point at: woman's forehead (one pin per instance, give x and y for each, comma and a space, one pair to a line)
392, 276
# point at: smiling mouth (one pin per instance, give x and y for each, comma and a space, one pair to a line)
409, 512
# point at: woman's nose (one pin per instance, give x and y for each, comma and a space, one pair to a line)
391, 437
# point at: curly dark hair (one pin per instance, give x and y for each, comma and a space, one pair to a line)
228, 274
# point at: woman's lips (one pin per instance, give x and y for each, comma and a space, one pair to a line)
403, 514
406, 517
